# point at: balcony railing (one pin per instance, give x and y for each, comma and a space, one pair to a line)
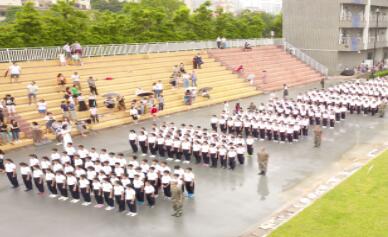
355, 20
351, 43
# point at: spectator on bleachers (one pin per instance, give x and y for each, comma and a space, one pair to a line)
218, 41
223, 43
285, 90
182, 68
160, 103
50, 120
92, 85
194, 79
65, 109
5, 134
42, 106
237, 108
134, 113
197, 61
14, 71
66, 48
15, 131
37, 135
82, 127
62, 59
72, 111
76, 79
94, 115
1, 112
247, 46
92, 100
121, 103
74, 93
32, 89
154, 112
150, 101
9, 102
251, 78
160, 87
142, 107
264, 77
81, 103
76, 48
187, 99
186, 80
174, 81
109, 103
61, 81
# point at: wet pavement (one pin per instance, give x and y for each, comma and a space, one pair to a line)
226, 203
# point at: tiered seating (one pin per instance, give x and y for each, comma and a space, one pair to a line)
281, 67
128, 73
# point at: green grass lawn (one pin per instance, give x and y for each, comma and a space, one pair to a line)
357, 207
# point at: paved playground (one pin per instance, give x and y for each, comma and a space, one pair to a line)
227, 203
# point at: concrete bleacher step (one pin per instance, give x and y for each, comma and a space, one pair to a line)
129, 72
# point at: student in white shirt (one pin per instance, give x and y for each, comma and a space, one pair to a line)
149, 191
132, 137
213, 155
130, 198
240, 150
166, 184
119, 193
250, 140
107, 190
72, 183
213, 122
189, 179
26, 173
186, 149
232, 158
97, 191
37, 175
60, 180
138, 185
50, 182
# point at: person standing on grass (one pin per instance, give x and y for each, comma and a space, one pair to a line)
32, 91
92, 85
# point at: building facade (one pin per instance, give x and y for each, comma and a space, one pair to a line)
81, 4
338, 33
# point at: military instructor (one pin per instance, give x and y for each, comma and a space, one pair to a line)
262, 161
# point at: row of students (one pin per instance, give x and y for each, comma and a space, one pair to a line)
186, 143
130, 182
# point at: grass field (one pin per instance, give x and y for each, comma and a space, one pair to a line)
356, 208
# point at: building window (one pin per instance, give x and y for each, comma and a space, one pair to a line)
370, 55
385, 55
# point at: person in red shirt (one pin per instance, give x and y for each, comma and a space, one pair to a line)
154, 112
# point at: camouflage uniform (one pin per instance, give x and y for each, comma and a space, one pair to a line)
177, 199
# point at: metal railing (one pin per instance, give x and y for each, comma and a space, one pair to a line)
305, 58
49, 53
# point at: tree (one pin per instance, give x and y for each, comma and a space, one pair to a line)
10, 14
29, 26
107, 5
203, 23
277, 25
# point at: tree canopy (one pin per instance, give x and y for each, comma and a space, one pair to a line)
114, 22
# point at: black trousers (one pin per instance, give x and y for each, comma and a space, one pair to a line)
150, 199
143, 147
241, 158
51, 187
39, 185
85, 195
74, 193
133, 146
189, 187
224, 162
178, 154
197, 157
232, 163
139, 195
187, 155
132, 206
120, 203
247, 131
250, 149
93, 89
255, 133
170, 152
205, 157
108, 199
153, 148
13, 179
214, 126
156, 186
332, 123
62, 189
214, 160
98, 197
27, 181
223, 128
167, 190
161, 150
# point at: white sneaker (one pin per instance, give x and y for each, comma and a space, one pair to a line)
86, 204
109, 208
53, 196
143, 154
177, 160
129, 214
74, 200
60, 198
152, 156
169, 159
134, 214
65, 198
